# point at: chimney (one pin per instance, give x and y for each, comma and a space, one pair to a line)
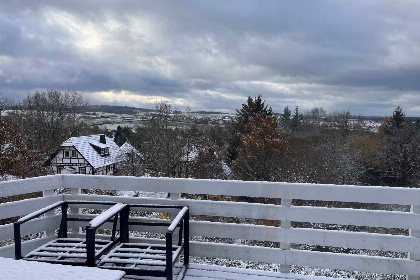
102, 139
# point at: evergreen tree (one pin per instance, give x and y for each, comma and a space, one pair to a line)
119, 138
285, 118
122, 135
398, 117
241, 124
296, 120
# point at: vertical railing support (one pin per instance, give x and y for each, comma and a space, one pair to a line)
285, 268
174, 196
414, 233
75, 210
172, 213
50, 232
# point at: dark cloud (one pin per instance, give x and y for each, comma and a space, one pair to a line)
360, 56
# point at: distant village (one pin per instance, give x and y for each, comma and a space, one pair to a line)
111, 121
110, 117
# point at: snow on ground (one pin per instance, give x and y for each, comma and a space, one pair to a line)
8, 177
143, 194
27, 270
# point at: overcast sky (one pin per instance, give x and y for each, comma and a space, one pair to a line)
362, 56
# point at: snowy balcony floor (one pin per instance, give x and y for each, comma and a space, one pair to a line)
209, 272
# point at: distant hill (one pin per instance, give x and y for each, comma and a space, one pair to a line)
210, 112
117, 109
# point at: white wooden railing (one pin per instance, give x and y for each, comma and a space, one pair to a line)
285, 213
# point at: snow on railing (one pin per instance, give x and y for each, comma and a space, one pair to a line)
285, 213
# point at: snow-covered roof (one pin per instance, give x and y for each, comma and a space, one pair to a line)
99, 144
83, 144
128, 149
226, 169
190, 153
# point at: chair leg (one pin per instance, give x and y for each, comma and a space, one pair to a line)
187, 238
18, 241
90, 247
169, 264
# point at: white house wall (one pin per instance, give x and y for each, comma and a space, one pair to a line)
59, 161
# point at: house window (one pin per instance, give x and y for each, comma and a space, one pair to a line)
73, 154
82, 170
59, 170
104, 151
66, 154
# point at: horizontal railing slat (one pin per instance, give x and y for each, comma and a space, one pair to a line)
26, 206
297, 257
325, 192
307, 258
30, 227
357, 217
333, 238
383, 265
30, 185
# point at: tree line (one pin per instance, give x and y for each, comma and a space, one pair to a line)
258, 145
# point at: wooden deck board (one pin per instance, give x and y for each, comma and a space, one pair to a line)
210, 272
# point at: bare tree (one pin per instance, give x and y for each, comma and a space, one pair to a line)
15, 159
317, 114
162, 144
46, 119
130, 161
4, 103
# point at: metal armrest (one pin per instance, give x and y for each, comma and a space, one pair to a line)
38, 213
123, 211
178, 219
105, 216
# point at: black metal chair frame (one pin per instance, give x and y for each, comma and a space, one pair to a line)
171, 252
93, 258
91, 228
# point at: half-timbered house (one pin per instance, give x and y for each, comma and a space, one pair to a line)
93, 154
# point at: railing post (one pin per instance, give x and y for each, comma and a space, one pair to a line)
414, 233
174, 196
75, 210
285, 268
50, 232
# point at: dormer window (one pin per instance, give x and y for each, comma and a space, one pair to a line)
100, 148
66, 154
104, 151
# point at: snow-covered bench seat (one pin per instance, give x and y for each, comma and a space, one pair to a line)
23, 270
74, 251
